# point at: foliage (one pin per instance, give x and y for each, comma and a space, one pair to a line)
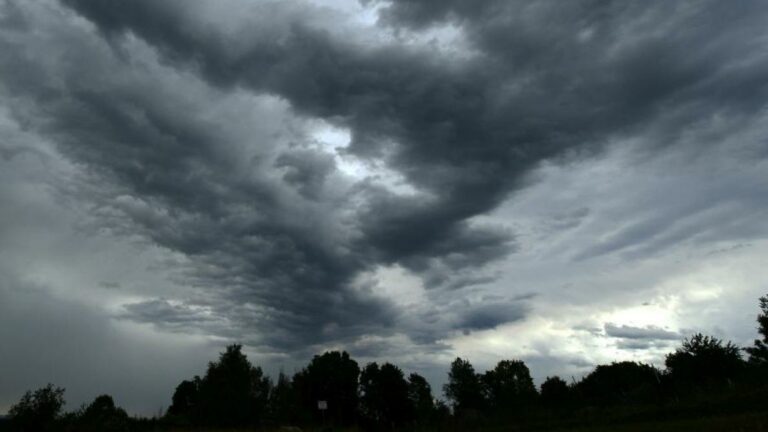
420, 397
508, 386
102, 416
758, 354
555, 392
233, 392
37, 411
621, 383
464, 388
282, 406
704, 361
330, 377
185, 399
384, 397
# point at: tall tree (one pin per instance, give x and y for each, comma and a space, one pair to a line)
370, 395
420, 395
384, 396
463, 388
233, 392
758, 353
508, 386
330, 377
282, 401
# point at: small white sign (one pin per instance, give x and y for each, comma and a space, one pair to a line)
322, 405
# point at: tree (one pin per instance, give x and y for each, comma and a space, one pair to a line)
233, 392
103, 416
281, 400
37, 411
758, 354
185, 401
420, 396
384, 396
554, 392
704, 360
621, 383
463, 388
330, 377
508, 386
370, 395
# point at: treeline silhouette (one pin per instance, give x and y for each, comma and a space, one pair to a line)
704, 376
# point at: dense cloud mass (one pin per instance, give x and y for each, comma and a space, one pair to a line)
404, 178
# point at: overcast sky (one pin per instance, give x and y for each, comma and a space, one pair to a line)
567, 183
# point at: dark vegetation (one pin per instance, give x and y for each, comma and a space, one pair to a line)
706, 385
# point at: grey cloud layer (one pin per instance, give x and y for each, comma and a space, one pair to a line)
78, 348
630, 332
465, 132
275, 235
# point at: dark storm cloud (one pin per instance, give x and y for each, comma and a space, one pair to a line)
306, 170
163, 170
281, 252
162, 311
548, 78
491, 315
399, 229
433, 117
429, 324
422, 13
10, 152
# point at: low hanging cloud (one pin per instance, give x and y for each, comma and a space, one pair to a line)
489, 316
648, 332
641, 338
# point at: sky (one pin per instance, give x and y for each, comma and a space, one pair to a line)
566, 183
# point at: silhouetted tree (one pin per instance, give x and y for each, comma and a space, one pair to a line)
758, 354
554, 392
704, 360
103, 416
464, 388
422, 401
282, 404
37, 411
621, 383
384, 398
508, 386
393, 387
370, 397
441, 418
185, 401
233, 392
331, 377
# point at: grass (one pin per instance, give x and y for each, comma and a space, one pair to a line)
731, 423
735, 423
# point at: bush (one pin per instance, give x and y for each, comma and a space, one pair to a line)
38, 411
